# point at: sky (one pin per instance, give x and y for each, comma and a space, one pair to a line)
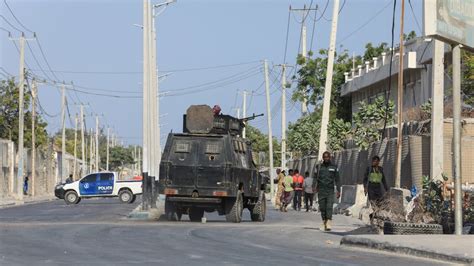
210, 51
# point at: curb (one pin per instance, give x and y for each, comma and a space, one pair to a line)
355, 241
28, 202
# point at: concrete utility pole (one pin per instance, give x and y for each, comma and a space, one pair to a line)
21, 87
244, 111
398, 161
83, 151
283, 116
270, 134
457, 140
304, 14
63, 125
34, 87
437, 112
91, 151
328, 86
75, 148
108, 136
146, 94
97, 161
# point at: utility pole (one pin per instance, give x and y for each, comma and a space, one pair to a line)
75, 148
97, 161
63, 125
437, 112
238, 112
398, 164
283, 116
108, 136
21, 87
34, 87
304, 14
91, 151
21, 125
328, 86
457, 140
146, 95
83, 151
270, 135
244, 111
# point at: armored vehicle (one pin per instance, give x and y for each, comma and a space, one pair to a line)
209, 167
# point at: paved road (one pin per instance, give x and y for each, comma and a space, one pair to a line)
96, 232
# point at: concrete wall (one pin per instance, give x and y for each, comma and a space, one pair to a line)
415, 158
47, 169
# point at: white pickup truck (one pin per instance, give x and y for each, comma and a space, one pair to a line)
102, 184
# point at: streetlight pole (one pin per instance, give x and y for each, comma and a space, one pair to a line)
270, 135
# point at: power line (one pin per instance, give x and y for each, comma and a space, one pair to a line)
141, 72
414, 16
37, 62
45, 59
387, 94
11, 25
365, 23
287, 36
17, 20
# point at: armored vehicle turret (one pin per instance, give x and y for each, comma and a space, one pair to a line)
209, 167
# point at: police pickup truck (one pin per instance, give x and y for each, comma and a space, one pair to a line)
102, 184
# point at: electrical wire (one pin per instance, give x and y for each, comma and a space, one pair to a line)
287, 36
387, 94
365, 23
141, 72
2, 28
414, 16
11, 25
17, 20
37, 62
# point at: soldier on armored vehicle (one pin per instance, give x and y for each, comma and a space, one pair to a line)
209, 167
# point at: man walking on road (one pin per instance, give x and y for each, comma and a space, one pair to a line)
308, 191
288, 191
280, 179
373, 181
298, 185
326, 178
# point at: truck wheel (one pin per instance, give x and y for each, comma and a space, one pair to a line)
257, 213
71, 197
196, 214
125, 196
235, 213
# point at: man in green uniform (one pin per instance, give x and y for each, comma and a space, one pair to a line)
327, 177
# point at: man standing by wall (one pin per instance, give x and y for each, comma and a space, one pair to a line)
308, 191
298, 185
326, 178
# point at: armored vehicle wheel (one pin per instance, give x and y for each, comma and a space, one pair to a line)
236, 206
195, 214
257, 213
71, 197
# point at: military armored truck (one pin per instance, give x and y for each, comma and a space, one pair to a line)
209, 167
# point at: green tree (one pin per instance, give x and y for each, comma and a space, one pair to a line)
9, 116
119, 157
260, 144
370, 119
311, 78
467, 69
